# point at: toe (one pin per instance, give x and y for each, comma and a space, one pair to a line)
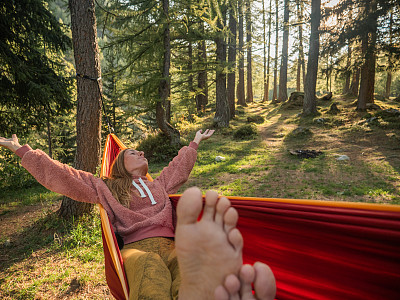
236, 239
222, 207
189, 206
221, 293
232, 285
264, 284
210, 205
231, 218
247, 275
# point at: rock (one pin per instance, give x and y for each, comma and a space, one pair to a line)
320, 120
343, 157
301, 131
296, 99
326, 97
219, 158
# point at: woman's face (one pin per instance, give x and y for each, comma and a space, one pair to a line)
135, 162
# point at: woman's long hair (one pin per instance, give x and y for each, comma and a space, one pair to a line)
120, 181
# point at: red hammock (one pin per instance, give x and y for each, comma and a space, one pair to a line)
316, 249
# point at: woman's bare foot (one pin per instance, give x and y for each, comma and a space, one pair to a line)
235, 288
208, 250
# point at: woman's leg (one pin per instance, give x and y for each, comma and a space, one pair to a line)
147, 273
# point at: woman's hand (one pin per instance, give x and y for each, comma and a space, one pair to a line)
200, 136
11, 144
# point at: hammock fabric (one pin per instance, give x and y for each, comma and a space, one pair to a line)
316, 249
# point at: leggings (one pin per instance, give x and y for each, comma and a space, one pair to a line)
151, 268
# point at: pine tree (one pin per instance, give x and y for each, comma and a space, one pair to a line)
275, 94
33, 81
309, 105
88, 118
285, 48
249, 33
240, 88
232, 58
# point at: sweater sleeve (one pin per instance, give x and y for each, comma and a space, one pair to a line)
178, 170
57, 177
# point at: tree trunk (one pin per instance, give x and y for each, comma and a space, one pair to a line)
49, 143
355, 82
300, 60
390, 63
232, 60
221, 117
266, 88
284, 63
275, 94
163, 107
264, 55
88, 118
240, 89
190, 70
202, 97
310, 105
346, 88
368, 46
249, 98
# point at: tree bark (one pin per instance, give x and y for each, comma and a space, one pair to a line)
275, 94
368, 46
266, 88
202, 96
264, 54
284, 63
249, 53
221, 117
300, 60
163, 107
232, 59
240, 89
310, 105
88, 118
390, 63
346, 88
355, 82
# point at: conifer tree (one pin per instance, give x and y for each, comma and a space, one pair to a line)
275, 94
33, 81
232, 58
284, 62
249, 33
240, 88
88, 118
309, 105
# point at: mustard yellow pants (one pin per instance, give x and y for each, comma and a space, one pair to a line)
152, 270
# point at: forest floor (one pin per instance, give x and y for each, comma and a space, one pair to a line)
44, 258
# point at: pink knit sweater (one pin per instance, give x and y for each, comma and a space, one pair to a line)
150, 211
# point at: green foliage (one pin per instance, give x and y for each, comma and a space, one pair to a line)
245, 132
33, 84
12, 174
157, 148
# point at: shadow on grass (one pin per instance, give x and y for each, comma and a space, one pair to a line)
49, 232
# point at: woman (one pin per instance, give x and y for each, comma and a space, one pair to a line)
139, 210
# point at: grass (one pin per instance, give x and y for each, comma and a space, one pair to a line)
43, 257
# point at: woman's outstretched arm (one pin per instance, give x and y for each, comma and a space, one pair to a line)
55, 176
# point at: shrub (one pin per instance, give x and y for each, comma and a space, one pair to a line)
157, 148
245, 132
